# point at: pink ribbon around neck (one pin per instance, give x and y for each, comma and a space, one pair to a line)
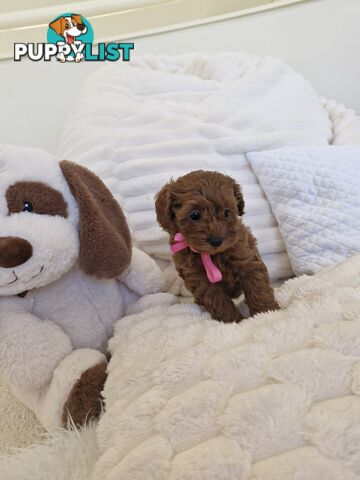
212, 272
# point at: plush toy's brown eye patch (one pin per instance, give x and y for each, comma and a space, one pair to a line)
42, 199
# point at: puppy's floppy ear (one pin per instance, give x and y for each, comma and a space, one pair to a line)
239, 198
56, 25
105, 241
164, 212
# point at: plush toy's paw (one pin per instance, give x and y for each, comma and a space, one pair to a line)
150, 301
143, 275
85, 400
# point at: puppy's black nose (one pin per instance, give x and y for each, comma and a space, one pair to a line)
81, 27
14, 251
215, 241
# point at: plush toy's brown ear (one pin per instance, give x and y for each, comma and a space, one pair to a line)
239, 198
105, 241
164, 212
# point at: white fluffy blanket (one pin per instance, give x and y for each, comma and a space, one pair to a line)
275, 397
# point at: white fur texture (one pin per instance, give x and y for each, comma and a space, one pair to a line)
18, 425
187, 398
63, 455
273, 397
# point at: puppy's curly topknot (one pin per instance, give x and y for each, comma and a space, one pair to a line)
206, 207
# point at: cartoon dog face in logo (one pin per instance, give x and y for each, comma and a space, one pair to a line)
69, 27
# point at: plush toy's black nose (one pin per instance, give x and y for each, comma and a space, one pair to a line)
14, 251
81, 27
215, 241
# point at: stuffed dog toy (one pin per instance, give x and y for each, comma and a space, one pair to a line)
214, 252
68, 271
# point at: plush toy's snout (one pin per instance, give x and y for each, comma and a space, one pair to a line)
14, 251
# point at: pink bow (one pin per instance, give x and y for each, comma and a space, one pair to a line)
212, 272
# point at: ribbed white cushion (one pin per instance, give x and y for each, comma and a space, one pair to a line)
140, 124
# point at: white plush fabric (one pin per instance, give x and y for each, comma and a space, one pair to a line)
345, 123
274, 397
315, 196
63, 455
160, 116
18, 425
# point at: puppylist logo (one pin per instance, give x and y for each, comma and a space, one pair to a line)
70, 39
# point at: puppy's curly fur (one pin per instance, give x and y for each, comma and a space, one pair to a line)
205, 207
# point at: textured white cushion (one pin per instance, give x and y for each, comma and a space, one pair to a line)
140, 124
315, 196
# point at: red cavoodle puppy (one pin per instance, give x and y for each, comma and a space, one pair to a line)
214, 252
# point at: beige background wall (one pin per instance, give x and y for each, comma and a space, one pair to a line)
319, 38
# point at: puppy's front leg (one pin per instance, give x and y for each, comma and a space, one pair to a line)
259, 294
218, 303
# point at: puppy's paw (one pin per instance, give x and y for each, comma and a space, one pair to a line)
85, 401
234, 317
220, 305
270, 306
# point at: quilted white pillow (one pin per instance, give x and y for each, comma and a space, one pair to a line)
315, 196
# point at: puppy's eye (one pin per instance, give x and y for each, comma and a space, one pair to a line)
195, 215
27, 207
67, 25
226, 212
